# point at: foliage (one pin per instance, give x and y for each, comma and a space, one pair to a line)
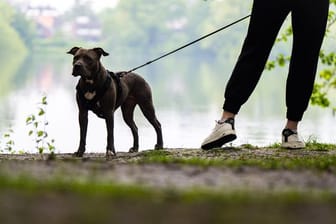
38, 131
25, 28
181, 22
10, 39
8, 144
38, 124
134, 32
7, 12
18, 33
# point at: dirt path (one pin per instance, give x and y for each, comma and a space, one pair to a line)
124, 170
255, 186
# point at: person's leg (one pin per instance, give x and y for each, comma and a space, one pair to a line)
309, 18
266, 20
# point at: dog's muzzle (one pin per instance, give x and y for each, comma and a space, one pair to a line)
78, 70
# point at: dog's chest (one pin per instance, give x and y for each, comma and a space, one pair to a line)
96, 106
89, 91
90, 99
89, 95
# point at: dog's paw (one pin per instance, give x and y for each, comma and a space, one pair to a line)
133, 149
158, 147
78, 153
110, 154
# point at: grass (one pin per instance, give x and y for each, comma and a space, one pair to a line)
311, 144
32, 186
234, 208
316, 156
72, 201
314, 145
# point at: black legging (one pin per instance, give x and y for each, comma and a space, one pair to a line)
309, 18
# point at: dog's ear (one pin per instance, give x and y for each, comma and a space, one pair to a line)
100, 51
73, 50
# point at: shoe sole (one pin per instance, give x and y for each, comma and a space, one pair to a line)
292, 146
218, 143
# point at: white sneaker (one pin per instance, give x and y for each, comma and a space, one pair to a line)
291, 140
222, 133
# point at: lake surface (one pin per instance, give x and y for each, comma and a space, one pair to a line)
188, 97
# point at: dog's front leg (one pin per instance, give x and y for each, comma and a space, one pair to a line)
110, 151
83, 123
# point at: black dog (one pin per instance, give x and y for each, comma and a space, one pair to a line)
103, 92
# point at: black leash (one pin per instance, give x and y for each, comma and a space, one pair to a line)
190, 43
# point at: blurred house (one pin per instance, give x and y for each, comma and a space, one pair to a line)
86, 28
74, 23
45, 18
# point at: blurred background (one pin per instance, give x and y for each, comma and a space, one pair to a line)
188, 86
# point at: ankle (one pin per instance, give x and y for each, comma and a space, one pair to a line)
292, 125
227, 115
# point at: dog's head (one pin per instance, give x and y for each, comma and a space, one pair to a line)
86, 62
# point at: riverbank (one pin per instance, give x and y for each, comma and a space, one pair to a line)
241, 184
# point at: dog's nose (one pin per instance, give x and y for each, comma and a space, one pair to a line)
77, 65
77, 68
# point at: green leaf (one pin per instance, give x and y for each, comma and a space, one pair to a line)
28, 120
319, 97
41, 112
281, 60
40, 133
270, 65
44, 100
326, 74
10, 142
51, 147
40, 149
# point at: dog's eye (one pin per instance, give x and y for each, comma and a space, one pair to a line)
88, 60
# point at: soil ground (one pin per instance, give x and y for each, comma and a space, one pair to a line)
256, 190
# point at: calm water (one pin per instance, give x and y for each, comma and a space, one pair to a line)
187, 95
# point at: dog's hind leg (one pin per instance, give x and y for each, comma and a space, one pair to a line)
127, 109
148, 110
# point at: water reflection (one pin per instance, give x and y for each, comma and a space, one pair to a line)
187, 94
